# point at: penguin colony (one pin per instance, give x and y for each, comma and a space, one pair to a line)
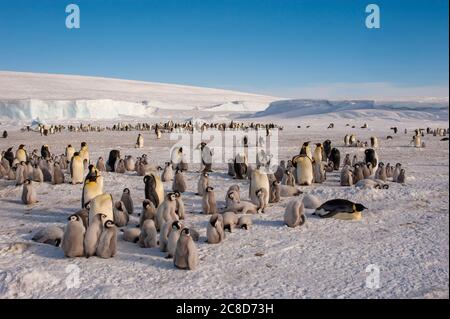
94, 229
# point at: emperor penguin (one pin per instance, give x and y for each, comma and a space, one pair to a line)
341, 209
240, 166
120, 167
101, 166
92, 236
346, 176
29, 195
209, 204
306, 150
326, 150
166, 211
84, 152
289, 191
347, 161
357, 173
262, 196
38, 176
401, 177
51, 235
397, 170
173, 238
21, 154
158, 132
21, 175
167, 174
92, 187
231, 171
58, 175
206, 156
186, 255
366, 169
381, 172
140, 141
335, 157
355, 160
29, 171
154, 189
179, 183
214, 231
70, 151
148, 212
180, 209
373, 141
347, 140
107, 244
45, 152
304, 170
288, 178
230, 221
114, 156
319, 172
233, 195
176, 156
73, 238
259, 180
131, 234
294, 215
127, 201
130, 164
372, 157
245, 221
310, 201
417, 141
318, 151
121, 217
149, 236
203, 182
101, 204
77, 169
352, 140
165, 233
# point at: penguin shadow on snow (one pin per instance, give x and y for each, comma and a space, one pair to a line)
43, 216
268, 223
148, 257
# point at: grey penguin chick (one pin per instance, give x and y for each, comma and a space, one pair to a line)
107, 244
127, 200
131, 234
121, 217
28, 193
245, 221
173, 238
149, 236
51, 235
310, 201
294, 215
186, 255
214, 231
92, 235
72, 242
230, 221
148, 212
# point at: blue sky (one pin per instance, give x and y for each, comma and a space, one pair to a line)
311, 48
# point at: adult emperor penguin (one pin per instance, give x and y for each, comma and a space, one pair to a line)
45, 152
306, 150
73, 238
154, 189
84, 152
76, 169
335, 157
186, 255
318, 151
176, 156
21, 154
371, 157
417, 141
340, 209
347, 140
374, 141
259, 180
352, 140
140, 141
101, 204
92, 235
294, 215
107, 244
304, 169
93, 186
326, 150
114, 156
70, 151
214, 232
240, 166
28, 193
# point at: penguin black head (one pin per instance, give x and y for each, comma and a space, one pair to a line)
209, 189
177, 194
83, 144
73, 218
21, 146
176, 225
171, 196
126, 190
109, 224
360, 207
27, 181
231, 195
186, 232
76, 154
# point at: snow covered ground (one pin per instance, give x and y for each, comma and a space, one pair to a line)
405, 231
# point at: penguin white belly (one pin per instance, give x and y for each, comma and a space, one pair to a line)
77, 172
102, 204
